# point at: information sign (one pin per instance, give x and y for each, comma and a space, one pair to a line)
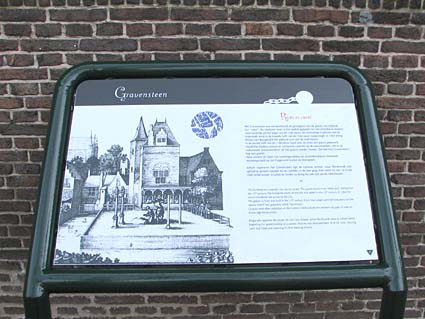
270, 169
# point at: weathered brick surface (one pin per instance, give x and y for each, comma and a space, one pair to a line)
40, 39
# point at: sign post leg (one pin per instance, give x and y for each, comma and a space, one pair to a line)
37, 307
393, 304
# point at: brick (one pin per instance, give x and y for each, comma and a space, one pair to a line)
224, 309
251, 308
348, 58
78, 30
24, 88
197, 14
109, 29
67, 311
375, 61
6, 169
120, 310
38, 102
320, 15
169, 44
138, 57
36, 156
287, 57
379, 32
403, 47
258, 29
228, 298
197, 310
108, 57
260, 14
416, 76
415, 4
92, 310
121, 300
138, 14
320, 30
229, 44
400, 154
172, 299
228, 56
404, 61
146, 310
408, 32
8, 219
291, 44
383, 75
396, 141
27, 169
139, 29
414, 128
401, 103
74, 59
14, 206
400, 89
198, 29
196, 56
8, 45
5, 118
87, 14
408, 179
257, 56
418, 18
10, 265
74, 300
11, 102
227, 29
419, 116
5, 142
19, 60
289, 29
394, 18
417, 141
316, 57
49, 45
27, 194
398, 116
49, 59
56, 73
167, 56
17, 30
351, 32
314, 296
10, 243
108, 45
24, 15
6, 194
48, 30
351, 46
171, 310
416, 167
167, 29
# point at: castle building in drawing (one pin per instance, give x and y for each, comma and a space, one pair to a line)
157, 171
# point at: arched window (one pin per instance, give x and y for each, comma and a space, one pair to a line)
161, 173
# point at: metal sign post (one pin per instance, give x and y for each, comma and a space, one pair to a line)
245, 154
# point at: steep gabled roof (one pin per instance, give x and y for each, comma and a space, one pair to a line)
140, 132
190, 163
171, 140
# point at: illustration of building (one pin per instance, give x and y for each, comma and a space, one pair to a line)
157, 171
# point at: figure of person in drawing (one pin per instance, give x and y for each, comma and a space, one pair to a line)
149, 216
159, 212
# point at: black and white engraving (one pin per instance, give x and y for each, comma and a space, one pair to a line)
153, 205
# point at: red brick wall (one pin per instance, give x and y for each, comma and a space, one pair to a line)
39, 40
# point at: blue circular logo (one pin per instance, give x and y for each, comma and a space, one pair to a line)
207, 124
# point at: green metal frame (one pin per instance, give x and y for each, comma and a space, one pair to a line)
43, 279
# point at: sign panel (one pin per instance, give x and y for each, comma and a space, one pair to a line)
214, 171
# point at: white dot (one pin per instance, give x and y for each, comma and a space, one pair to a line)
304, 97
